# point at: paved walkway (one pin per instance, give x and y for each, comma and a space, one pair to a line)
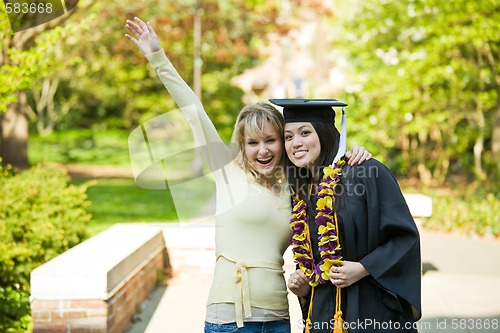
460, 291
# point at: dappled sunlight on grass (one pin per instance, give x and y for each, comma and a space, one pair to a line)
81, 147
120, 200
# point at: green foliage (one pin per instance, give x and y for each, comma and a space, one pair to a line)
223, 111
22, 64
115, 87
41, 216
15, 312
425, 82
476, 211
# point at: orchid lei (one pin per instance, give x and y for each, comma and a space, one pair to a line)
326, 220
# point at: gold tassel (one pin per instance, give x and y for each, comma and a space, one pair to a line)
339, 322
308, 320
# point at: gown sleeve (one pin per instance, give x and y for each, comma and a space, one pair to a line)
394, 259
215, 152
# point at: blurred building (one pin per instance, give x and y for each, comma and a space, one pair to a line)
298, 64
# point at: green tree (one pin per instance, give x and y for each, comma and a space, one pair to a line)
23, 58
428, 83
115, 87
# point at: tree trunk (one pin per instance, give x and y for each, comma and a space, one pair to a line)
405, 147
197, 165
479, 145
424, 174
45, 115
495, 133
495, 140
14, 134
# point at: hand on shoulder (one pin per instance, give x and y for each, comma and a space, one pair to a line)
358, 155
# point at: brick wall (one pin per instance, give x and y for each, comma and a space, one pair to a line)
98, 316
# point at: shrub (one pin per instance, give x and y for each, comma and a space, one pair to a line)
41, 216
14, 309
475, 210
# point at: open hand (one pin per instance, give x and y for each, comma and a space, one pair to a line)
147, 40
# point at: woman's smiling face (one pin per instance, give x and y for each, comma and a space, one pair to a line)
302, 144
263, 150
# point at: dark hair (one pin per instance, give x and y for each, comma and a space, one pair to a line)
299, 178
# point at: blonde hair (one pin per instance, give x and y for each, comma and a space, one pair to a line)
252, 118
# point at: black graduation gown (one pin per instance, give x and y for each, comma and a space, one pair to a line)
377, 230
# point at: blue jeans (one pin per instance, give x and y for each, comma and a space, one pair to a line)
278, 326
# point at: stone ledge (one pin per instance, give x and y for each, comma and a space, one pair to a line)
95, 267
99, 284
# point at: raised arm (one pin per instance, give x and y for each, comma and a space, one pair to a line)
215, 151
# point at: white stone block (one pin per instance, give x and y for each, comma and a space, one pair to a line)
420, 205
95, 268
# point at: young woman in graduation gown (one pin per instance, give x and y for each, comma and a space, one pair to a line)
375, 258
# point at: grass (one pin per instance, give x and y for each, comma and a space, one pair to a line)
475, 211
82, 146
467, 208
120, 200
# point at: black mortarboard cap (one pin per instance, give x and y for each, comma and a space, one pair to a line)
310, 110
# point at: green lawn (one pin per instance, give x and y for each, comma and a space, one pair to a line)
114, 200
83, 146
120, 200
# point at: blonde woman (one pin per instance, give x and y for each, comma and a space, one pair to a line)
249, 292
